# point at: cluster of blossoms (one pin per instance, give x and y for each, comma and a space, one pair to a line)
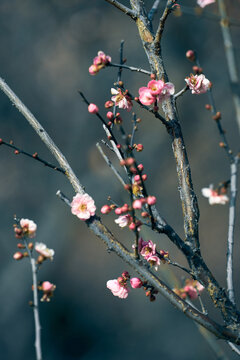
215, 196
203, 3
156, 91
119, 287
24, 230
83, 206
198, 84
99, 62
191, 289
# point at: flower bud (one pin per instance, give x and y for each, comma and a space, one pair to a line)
118, 211
151, 200
93, 70
18, 255
137, 204
136, 283
139, 147
190, 55
109, 104
144, 177
110, 115
126, 275
132, 226
93, 109
105, 209
140, 167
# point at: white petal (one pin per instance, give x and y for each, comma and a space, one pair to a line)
114, 91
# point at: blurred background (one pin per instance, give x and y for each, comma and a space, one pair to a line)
46, 49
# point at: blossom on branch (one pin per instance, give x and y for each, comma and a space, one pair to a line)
42, 249
123, 220
48, 289
198, 84
203, 3
118, 289
214, 197
121, 99
83, 206
156, 90
28, 228
99, 62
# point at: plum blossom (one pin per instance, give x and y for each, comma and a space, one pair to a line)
83, 206
191, 289
29, 227
42, 249
48, 289
117, 289
198, 84
121, 99
203, 3
153, 261
214, 197
156, 90
99, 62
123, 220
148, 251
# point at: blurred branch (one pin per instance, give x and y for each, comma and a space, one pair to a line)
123, 8
153, 10
234, 348
231, 59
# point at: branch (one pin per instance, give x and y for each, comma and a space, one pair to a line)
230, 241
32, 156
153, 10
181, 92
123, 8
132, 68
231, 60
43, 135
162, 21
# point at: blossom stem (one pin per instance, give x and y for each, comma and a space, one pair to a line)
33, 156
35, 305
132, 68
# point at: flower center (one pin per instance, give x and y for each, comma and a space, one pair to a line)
82, 207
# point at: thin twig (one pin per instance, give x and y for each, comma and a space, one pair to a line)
231, 59
123, 8
109, 163
166, 12
231, 225
234, 348
43, 135
181, 92
131, 68
32, 156
153, 10
35, 305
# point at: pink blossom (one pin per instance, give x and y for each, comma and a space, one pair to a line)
106, 209
198, 84
151, 200
117, 289
122, 100
123, 220
93, 109
101, 59
153, 260
137, 204
42, 249
146, 97
191, 292
136, 283
47, 286
214, 197
83, 206
203, 3
29, 227
155, 91
148, 249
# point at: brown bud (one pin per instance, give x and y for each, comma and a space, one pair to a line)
120, 83
138, 120
30, 246
152, 298
16, 152
208, 107
153, 76
35, 155
21, 246
217, 116
222, 144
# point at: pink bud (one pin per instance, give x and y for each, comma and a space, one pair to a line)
106, 209
190, 55
124, 208
139, 147
151, 200
126, 275
135, 283
118, 211
109, 104
47, 286
137, 178
110, 115
93, 109
130, 161
132, 226
144, 214
140, 167
18, 255
93, 70
144, 177
137, 204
